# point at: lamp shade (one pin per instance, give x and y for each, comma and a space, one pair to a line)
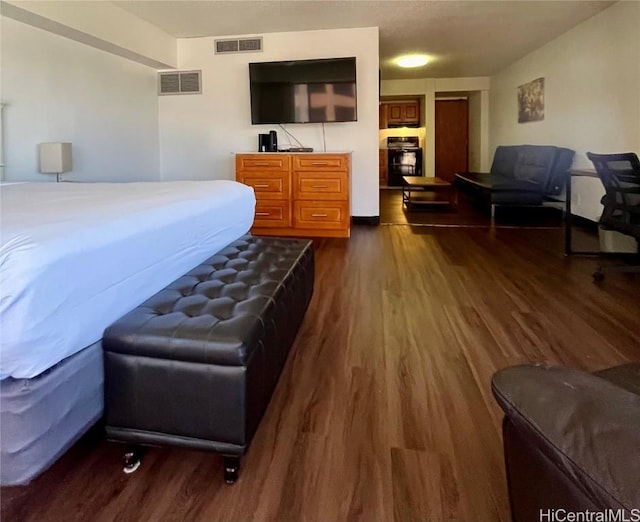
55, 158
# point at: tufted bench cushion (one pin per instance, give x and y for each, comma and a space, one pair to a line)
196, 364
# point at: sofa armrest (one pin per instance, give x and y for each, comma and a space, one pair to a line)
588, 427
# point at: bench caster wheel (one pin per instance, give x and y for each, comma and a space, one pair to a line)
132, 461
598, 276
231, 469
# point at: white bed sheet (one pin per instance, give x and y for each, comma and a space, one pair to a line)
74, 257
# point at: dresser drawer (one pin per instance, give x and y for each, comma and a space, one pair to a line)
262, 162
321, 162
272, 214
267, 185
320, 185
321, 214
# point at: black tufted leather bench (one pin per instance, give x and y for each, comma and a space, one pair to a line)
196, 364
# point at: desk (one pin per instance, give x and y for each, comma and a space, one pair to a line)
568, 250
415, 187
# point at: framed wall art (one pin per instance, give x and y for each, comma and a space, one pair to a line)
531, 101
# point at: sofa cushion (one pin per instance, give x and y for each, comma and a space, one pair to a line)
534, 164
476, 179
504, 160
516, 198
493, 183
501, 184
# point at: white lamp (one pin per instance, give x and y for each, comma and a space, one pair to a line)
55, 158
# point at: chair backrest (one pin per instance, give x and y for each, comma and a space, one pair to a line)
620, 175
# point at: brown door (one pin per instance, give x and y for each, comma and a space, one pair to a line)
452, 138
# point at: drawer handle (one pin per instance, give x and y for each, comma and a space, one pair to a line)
318, 186
261, 186
261, 164
263, 213
319, 215
319, 163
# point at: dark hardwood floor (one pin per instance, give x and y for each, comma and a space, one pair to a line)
384, 410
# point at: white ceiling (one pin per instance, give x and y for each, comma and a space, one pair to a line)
464, 38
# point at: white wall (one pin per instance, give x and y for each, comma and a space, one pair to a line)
200, 133
102, 25
476, 134
1, 145
592, 95
56, 89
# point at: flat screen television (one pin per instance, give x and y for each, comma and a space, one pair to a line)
303, 91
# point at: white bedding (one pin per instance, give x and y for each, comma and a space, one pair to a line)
74, 257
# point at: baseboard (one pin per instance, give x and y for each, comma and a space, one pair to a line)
372, 221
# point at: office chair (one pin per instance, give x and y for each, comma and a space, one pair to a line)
620, 175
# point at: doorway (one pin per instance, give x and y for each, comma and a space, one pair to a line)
451, 135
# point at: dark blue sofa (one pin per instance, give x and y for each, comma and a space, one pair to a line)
521, 175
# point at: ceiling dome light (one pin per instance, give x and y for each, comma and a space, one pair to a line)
413, 60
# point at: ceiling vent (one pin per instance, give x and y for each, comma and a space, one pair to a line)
180, 82
239, 45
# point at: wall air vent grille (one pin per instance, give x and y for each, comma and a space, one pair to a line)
226, 46
239, 45
250, 44
180, 82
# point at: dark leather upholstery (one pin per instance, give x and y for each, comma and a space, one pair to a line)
520, 175
196, 364
571, 439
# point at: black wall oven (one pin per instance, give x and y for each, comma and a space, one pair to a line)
405, 158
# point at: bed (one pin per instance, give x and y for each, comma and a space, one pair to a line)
74, 257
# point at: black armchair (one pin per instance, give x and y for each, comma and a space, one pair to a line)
571, 440
620, 175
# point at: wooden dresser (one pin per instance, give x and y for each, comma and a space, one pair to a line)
298, 194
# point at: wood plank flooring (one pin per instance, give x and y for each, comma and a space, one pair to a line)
384, 410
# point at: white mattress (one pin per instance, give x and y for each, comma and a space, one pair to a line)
74, 257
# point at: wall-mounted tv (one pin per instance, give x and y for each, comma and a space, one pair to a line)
303, 91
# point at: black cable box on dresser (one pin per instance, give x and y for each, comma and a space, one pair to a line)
298, 149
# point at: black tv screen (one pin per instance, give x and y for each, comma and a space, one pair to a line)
303, 91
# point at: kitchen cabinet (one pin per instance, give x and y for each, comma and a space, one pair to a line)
382, 115
402, 112
383, 162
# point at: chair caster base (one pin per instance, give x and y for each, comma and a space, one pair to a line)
132, 460
231, 469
